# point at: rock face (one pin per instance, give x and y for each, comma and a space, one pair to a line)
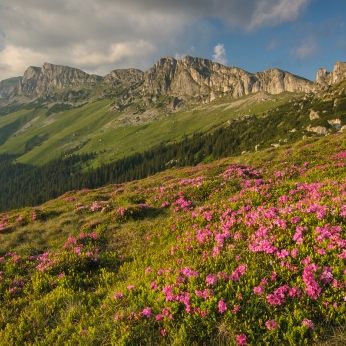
8, 86
189, 79
38, 81
313, 115
336, 123
205, 80
320, 130
325, 78
130, 75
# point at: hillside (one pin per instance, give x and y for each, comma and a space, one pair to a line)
205, 133
55, 111
246, 250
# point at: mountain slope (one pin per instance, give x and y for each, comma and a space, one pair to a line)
222, 254
63, 110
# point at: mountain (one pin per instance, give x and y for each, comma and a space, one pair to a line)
204, 80
54, 111
325, 78
38, 81
191, 79
8, 86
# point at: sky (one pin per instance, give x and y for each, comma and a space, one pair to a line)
98, 36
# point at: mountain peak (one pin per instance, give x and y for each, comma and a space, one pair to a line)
40, 80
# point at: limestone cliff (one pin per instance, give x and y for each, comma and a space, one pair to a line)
205, 80
8, 86
129, 75
38, 81
325, 78
189, 79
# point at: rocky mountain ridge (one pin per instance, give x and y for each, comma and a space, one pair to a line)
190, 79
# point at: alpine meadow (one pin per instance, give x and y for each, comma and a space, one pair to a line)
190, 204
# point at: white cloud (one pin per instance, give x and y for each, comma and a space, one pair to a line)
15, 60
101, 35
305, 50
220, 54
115, 53
277, 12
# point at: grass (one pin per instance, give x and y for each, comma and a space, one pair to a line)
95, 128
139, 240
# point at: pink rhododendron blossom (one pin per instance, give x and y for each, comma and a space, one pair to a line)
258, 289
308, 324
146, 312
241, 339
159, 317
222, 306
271, 324
211, 279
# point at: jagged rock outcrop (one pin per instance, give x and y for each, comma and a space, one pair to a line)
325, 78
313, 115
275, 81
8, 86
320, 130
336, 123
189, 79
205, 80
40, 80
129, 75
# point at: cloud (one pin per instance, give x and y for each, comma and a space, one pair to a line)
305, 50
101, 35
220, 54
116, 52
276, 12
15, 60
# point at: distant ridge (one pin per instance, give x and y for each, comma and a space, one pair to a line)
189, 79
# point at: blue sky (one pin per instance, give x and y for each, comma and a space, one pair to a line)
98, 36
315, 39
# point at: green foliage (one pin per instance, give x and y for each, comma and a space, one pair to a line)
35, 141
104, 251
58, 107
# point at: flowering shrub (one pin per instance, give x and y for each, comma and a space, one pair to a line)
236, 254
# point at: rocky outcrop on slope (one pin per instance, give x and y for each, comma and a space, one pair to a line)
205, 80
8, 86
189, 79
40, 80
325, 78
129, 75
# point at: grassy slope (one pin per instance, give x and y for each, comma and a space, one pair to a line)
93, 128
72, 299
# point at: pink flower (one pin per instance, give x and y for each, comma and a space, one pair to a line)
146, 312
308, 324
222, 306
84, 331
236, 309
273, 277
153, 285
148, 270
130, 287
211, 279
159, 317
258, 289
271, 324
241, 339
118, 295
